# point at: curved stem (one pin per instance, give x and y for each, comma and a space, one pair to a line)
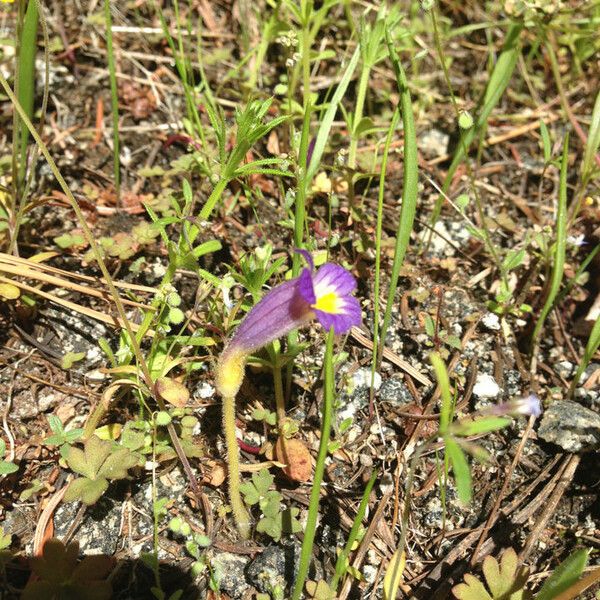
240, 514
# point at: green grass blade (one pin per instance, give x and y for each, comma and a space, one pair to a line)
378, 229
460, 468
441, 375
315, 494
26, 80
591, 348
567, 573
593, 141
560, 248
325, 128
114, 97
409, 188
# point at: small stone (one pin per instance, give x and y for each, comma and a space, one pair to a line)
204, 390
491, 321
229, 569
571, 426
362, 378
485, 386
395, 392
434, 141
277, 566
564, 369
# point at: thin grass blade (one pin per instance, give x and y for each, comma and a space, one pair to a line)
409, 189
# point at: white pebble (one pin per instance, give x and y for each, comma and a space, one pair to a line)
486, 386
491, 321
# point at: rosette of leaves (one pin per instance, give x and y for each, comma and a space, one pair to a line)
504, 579
274, 521
61, 576
98, 462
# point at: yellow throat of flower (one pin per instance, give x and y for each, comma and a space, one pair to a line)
328, 303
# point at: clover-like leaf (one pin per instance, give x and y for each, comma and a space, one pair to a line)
86, 490
99, 461
471, 589
505, 580
251, 495
117, 463
59, 575
87, 462
262, 480
57, 562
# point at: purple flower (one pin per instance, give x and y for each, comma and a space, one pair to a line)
529, 405
326, 295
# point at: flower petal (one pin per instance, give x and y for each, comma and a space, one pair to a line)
281, 310
348, 314
307, 257
333, 278
305, 286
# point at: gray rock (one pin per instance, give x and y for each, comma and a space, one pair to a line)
564, 369
230, 571
571, 426
277, 567
395, 392
98, 532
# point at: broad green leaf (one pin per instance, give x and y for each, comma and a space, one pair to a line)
567, 573
460, 467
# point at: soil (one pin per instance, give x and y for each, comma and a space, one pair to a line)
549, 507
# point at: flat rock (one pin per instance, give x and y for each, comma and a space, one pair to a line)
230, 572
571, 426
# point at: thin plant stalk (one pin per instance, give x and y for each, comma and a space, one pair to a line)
306, 8
278, 386
114, 98
559, 251
315, 494
241, 516
378, 233
410, 182
499, 80
341, 563
327, 121
299, 224
361, 95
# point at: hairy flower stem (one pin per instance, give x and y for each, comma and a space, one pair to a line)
229, 377
240, 514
